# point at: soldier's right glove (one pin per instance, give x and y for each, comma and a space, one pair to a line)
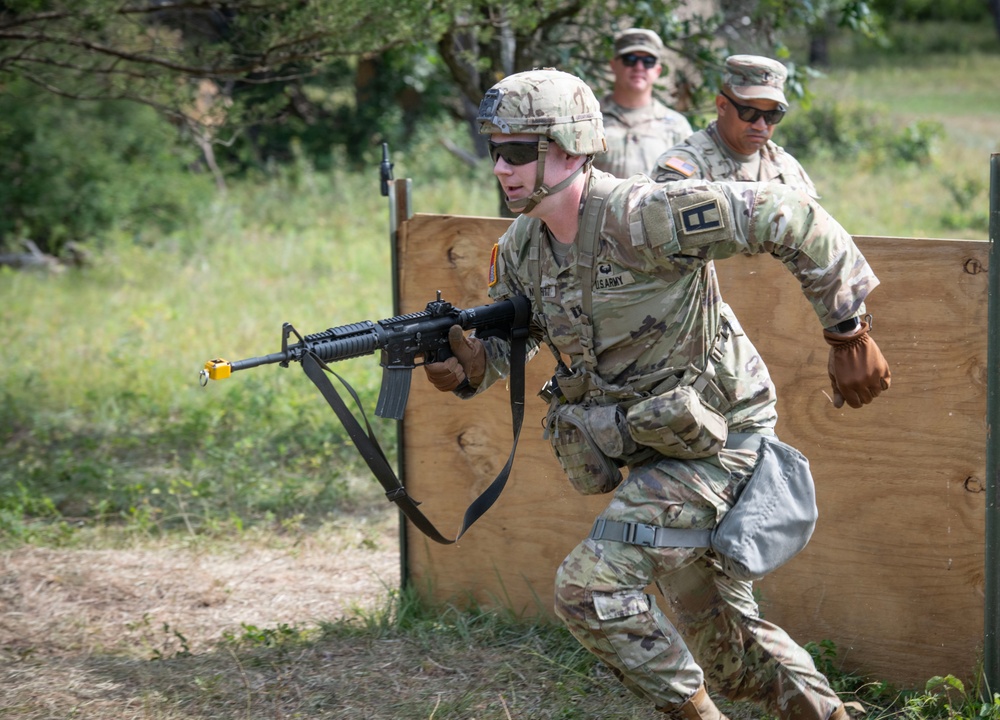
858, 371
468, 361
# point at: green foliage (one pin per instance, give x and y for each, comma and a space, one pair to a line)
350, 74
947, 697
118, 430
843, 130
929, 11
944, 36
919, 43
170, 644
341, 116
943, 697
970, 203
845, 682
73, 171
253, 636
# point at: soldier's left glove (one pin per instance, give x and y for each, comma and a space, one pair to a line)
858, 371
468, 361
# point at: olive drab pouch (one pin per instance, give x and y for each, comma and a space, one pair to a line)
678, 424
585, 441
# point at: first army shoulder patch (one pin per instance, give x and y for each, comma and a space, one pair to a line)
703, 217
492, 274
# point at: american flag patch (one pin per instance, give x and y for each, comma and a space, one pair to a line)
680, 165
492, 275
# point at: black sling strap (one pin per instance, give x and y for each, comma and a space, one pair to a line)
365, 441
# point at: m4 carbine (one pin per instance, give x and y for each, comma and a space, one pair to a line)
402, 340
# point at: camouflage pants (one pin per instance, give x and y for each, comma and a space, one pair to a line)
719, 639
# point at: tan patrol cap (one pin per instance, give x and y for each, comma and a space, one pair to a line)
638, 40
753, 77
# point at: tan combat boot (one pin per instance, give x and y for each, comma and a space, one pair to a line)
699, 707
840, 714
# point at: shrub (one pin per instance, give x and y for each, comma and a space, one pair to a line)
933, 10
71, 170
847, 131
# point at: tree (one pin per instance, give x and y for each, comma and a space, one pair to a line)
170, 54
206, 63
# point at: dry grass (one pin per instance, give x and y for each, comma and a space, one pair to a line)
279, 625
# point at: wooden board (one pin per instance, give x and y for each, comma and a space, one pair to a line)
893, 575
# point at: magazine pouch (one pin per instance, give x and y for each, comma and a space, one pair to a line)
586, 439
678, 424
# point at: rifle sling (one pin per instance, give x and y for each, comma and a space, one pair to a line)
371, 451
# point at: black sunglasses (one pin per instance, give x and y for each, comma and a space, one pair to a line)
751, 114
516, 152
630, 59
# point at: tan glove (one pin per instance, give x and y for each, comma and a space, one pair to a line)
467, 361
858, 371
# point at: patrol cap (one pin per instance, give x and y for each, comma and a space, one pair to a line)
753, 77
638, 40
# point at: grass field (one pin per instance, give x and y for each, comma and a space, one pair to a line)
949, 197
107, 441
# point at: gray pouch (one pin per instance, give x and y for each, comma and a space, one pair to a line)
678, 423
774, 515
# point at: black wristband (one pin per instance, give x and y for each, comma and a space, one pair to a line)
847, 326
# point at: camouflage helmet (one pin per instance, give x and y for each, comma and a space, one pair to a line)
545, 102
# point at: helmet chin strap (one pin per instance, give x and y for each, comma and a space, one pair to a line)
541, 191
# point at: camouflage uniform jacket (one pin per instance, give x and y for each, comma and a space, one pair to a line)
656, 303
704, 155
637, 137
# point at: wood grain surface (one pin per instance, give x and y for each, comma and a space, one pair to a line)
894, 573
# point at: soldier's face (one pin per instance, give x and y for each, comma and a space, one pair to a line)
518, 180
635, 76
743, 137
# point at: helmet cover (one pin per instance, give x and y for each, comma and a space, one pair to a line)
545, 102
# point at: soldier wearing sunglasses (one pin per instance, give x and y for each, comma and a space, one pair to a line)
737, 145
653, 372
639, 128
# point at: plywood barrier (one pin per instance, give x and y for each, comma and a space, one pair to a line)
894, 574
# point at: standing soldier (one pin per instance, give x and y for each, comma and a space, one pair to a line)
638, 127
662, 379
737, 144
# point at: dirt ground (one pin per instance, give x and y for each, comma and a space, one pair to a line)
164, 598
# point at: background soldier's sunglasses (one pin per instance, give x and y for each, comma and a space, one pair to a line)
515, 153
750, 114
630, 59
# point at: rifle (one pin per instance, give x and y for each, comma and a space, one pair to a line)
401, 340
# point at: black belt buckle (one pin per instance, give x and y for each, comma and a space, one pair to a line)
639, 534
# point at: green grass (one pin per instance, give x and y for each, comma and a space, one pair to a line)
949, 101
102, 418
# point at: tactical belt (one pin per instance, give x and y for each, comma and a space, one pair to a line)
656, 536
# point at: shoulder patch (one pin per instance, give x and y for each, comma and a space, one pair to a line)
703, 217
680, 165
491, 276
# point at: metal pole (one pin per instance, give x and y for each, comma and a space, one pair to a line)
398, 193
991, 634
